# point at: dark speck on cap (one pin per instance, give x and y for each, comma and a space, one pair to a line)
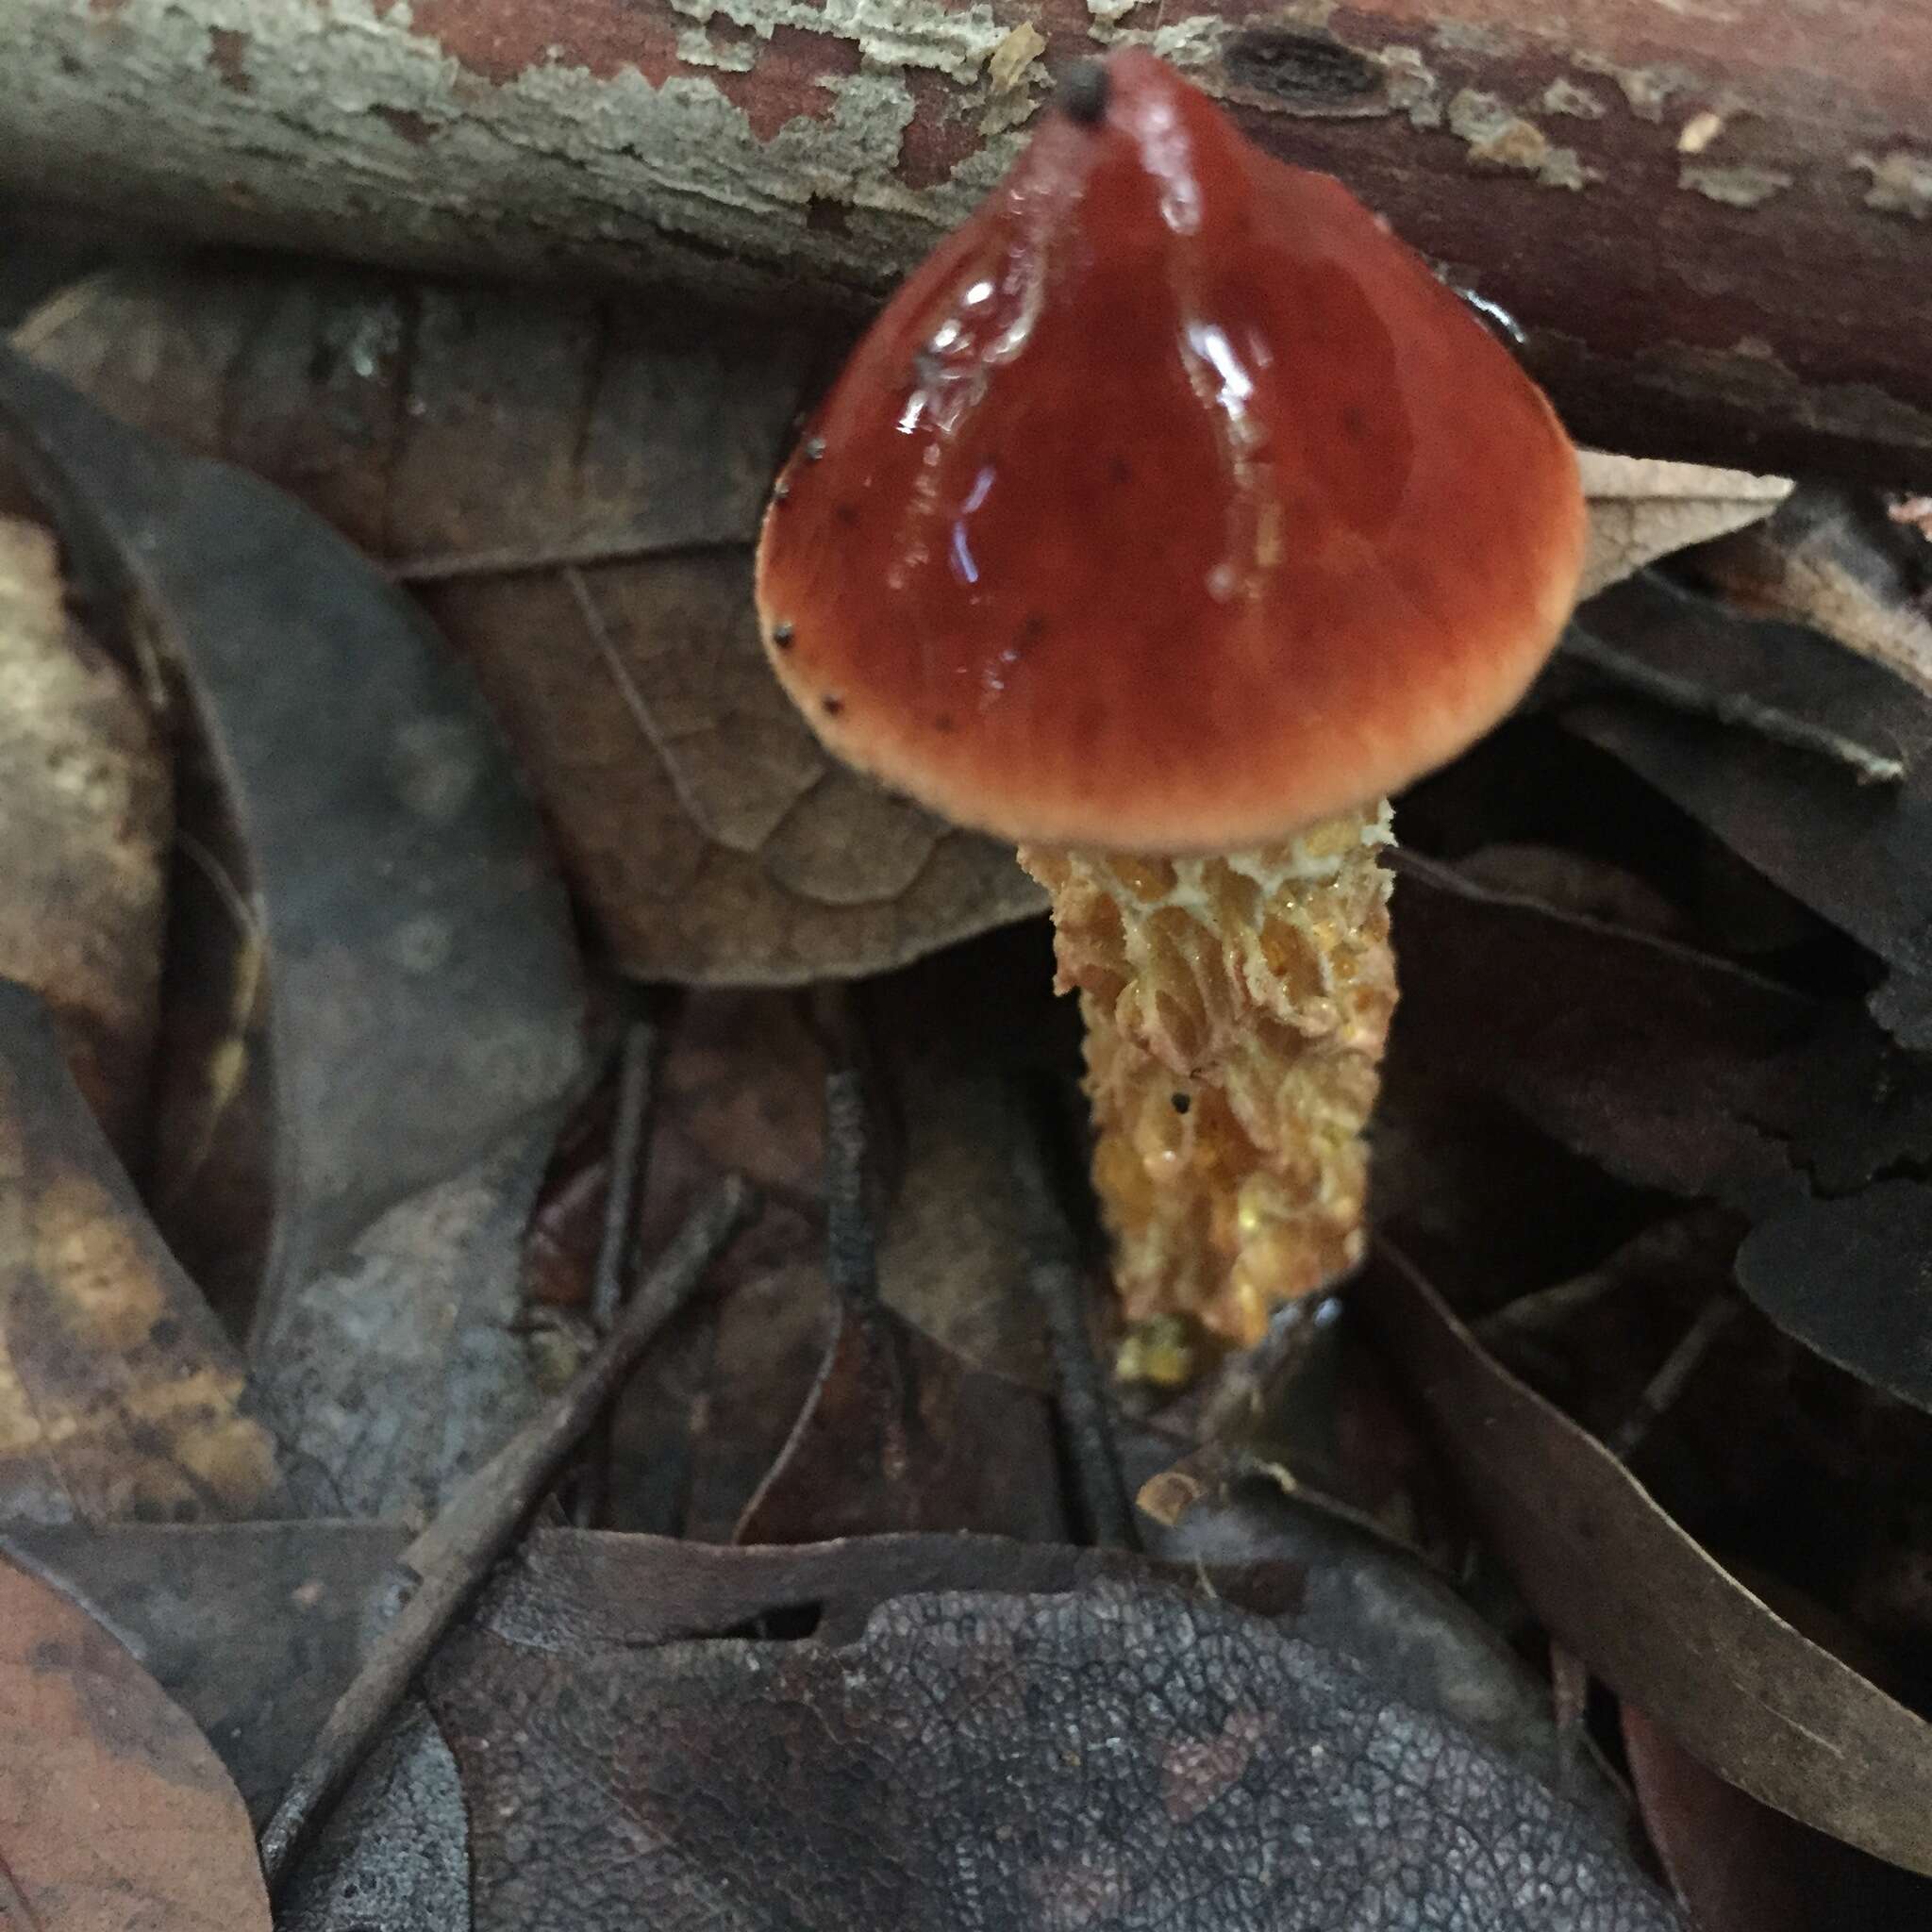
1083, 92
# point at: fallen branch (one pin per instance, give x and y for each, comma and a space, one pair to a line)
1712, 222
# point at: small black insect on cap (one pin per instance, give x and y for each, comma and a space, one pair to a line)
1083, 92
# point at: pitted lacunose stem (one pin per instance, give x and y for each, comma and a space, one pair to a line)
1237, 1009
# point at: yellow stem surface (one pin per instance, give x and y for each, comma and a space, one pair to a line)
1237, 1010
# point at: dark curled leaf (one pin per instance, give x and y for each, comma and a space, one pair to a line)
1653, 1059
1852, 1279
1681, 1072
423, 979
1832, 557
1121, 1757
120, 1395
1782, 682
577, 1591
1859, 855
1622, 1586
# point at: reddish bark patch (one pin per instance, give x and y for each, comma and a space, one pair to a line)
788, 81
823, 217
943, 131
501, 40
415, 128
227, 54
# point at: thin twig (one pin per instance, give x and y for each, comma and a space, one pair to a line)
627, 1154
1058, 1288
1569, 1697
629, 1145
454, 1555
852, 1260
1664, 1387
852, 1264
1546, 1309
579, 553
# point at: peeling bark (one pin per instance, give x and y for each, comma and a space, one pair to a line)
1713, 218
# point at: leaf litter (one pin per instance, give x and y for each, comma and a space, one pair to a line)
1126, 1754
118, 1814
120, 1396
85, 834
464, 986
573, 487
1726, 1088
1611, 1574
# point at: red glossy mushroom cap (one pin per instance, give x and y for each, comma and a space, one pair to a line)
1170, 504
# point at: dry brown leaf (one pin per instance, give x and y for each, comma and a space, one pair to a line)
119, 1395
900, 1435
1642, 507
1739, 1866
953, 1247
574, 489
115, 1815
715, 840
86, 816
740, 1089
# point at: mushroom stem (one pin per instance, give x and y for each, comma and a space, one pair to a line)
1237, 1009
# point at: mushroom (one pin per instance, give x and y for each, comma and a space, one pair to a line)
1170, 516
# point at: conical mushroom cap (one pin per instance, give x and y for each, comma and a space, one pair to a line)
1170, 504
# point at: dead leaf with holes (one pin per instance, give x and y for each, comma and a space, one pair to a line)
116, 1815
1059, 1738
119, 1395
573, 487
86, 817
